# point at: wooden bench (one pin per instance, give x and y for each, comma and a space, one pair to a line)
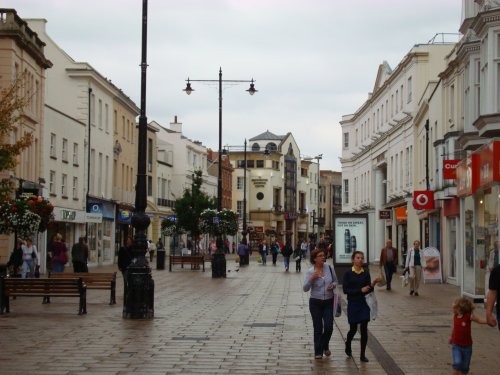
44, 287
102, 281
194, 260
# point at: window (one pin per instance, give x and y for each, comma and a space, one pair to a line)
100, 114
75, 154
64, 187
52, 182
92, 109
346, 140
346, 191
250, 164
53, 146
99, 174
239, 209
451, 118
401, 104
397, 101
150, 186
123, 127
65, 150
240, 183
115, 122
75, 187
106, 118
409, 89
260, 163
150, 155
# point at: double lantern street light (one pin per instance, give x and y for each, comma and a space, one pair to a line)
218, 259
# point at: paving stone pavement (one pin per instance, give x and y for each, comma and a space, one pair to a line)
256, 321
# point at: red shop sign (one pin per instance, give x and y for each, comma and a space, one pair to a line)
449, 168
468, 175
489, 163
423, 199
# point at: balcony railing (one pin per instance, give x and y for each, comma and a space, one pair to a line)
165, 202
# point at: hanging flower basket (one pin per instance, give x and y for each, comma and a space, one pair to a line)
17, 217
217, 223
170, 228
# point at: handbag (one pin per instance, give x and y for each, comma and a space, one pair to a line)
383, 280
337, 306
371, 301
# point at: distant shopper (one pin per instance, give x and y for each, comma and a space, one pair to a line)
461, 336
151, 250
356, 284
287, 253
492, 297
243, 252
30, 255
303, 248
275, 249
414, 265
297, 256
263, 251
159, 245
16, 259
125, 257
80, 255
59, 254
321, 280
389, 261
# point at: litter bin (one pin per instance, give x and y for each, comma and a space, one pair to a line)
160, 260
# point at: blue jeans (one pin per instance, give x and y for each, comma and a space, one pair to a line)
287, 262
322, 317
28, 265
461, 356
263, 256
57, 267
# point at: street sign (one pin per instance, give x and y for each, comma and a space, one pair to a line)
385, 214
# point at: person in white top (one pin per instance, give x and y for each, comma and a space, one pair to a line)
30, 258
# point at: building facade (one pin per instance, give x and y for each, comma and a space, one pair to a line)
382, 148
279, 187
22, 56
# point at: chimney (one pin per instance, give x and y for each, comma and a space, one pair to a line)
176, 126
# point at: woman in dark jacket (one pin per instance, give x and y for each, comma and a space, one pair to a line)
356, 284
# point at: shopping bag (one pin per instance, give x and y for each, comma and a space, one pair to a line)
337, 306
383, 280
259, 259
371, 301
237, 258
404, 280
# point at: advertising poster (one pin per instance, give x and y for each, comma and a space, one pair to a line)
431, 264
351, 234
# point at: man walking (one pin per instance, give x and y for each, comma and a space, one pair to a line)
389, 260
80, 255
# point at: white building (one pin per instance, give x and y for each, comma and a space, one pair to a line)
380, 169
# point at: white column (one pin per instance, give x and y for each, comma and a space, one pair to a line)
378, 225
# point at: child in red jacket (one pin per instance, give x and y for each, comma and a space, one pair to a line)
461, 337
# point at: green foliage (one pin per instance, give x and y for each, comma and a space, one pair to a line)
189, 208
215, 223
26, 215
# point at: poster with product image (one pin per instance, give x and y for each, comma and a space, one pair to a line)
350, 235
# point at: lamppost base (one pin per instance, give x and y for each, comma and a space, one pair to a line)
218, 265
139, 291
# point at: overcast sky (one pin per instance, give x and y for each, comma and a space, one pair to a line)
313, 60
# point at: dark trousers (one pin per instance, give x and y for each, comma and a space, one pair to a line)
275, 257
322, 317
353, 328
80, 267
297, 265
389, 269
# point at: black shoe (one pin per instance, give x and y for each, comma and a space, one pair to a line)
348, 350
411, 292
388, 288
416, 294
363, 359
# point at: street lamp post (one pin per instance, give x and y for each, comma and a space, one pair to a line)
218, 258
318, 158
139, 288
244, 231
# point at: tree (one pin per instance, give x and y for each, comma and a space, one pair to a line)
188, 209
12, 106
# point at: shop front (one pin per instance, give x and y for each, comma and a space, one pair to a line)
401, 214
101, 234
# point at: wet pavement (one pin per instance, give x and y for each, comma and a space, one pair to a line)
256, 321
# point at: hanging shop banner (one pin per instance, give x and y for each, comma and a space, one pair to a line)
489, 156
449, 169
468, 175
385, 214
423, 199
432, 264
350, 235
